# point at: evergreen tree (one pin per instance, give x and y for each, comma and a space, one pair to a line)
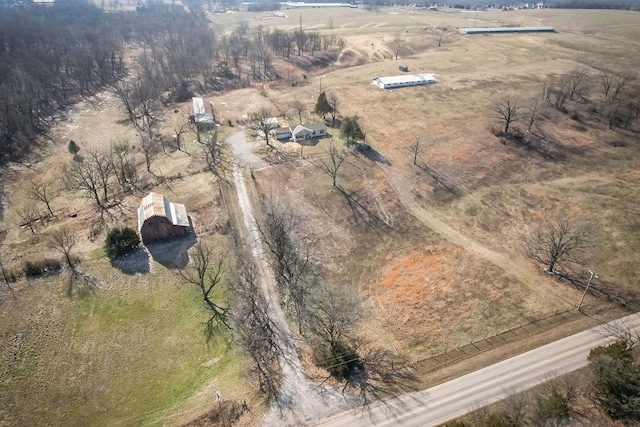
121, 241
73, 148
322, 106
351, 130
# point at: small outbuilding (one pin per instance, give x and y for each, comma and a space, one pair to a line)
200, 114
159, 219
272, 121
281, 134
308, 131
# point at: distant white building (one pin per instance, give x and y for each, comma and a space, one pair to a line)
301, 4
200, 114
505, 30
404, 81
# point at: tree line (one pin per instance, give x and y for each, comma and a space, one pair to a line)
611, 97
52, 57
49, 57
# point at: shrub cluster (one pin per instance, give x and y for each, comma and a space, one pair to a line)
37, 268
121, 241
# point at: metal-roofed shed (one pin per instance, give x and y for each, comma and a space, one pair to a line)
200, 114
160, 219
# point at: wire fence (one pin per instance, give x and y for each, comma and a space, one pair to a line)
511, 335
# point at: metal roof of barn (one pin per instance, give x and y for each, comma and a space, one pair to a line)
155, 204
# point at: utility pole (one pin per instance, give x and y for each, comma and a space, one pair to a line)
586, 288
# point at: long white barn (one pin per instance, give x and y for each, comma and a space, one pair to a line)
404, 80
504, 30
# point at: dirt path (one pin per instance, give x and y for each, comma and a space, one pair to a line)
243, 154
431, 220
300, 401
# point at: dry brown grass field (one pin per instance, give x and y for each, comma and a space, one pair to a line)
438, 270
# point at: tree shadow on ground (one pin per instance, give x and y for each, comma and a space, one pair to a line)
374, 382
172, 253
440, 181
133, 263
371, 153
535, 143
358, 205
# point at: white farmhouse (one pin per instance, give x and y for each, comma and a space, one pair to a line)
308, 131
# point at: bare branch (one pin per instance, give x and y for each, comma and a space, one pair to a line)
63, 240
556, 242
332, 165
507, 112
206, 272
260, 125
45, 193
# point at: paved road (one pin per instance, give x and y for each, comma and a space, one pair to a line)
452, 399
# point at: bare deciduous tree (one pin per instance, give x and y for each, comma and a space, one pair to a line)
45, 193
205, 271
6, 278
123, 165
336, 312
214, 156
63, 240
556, 242
298, 109
577, 80
29, 214
507, 112
332, 99
560, 91
83, 177
398, 42
181, 127
150, 150
443, 33
291, 263
612, 85
332, 166
416, 150
532, 111
103, 166
260, 124
253, 330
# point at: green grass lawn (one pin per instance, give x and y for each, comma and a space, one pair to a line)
131, 354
